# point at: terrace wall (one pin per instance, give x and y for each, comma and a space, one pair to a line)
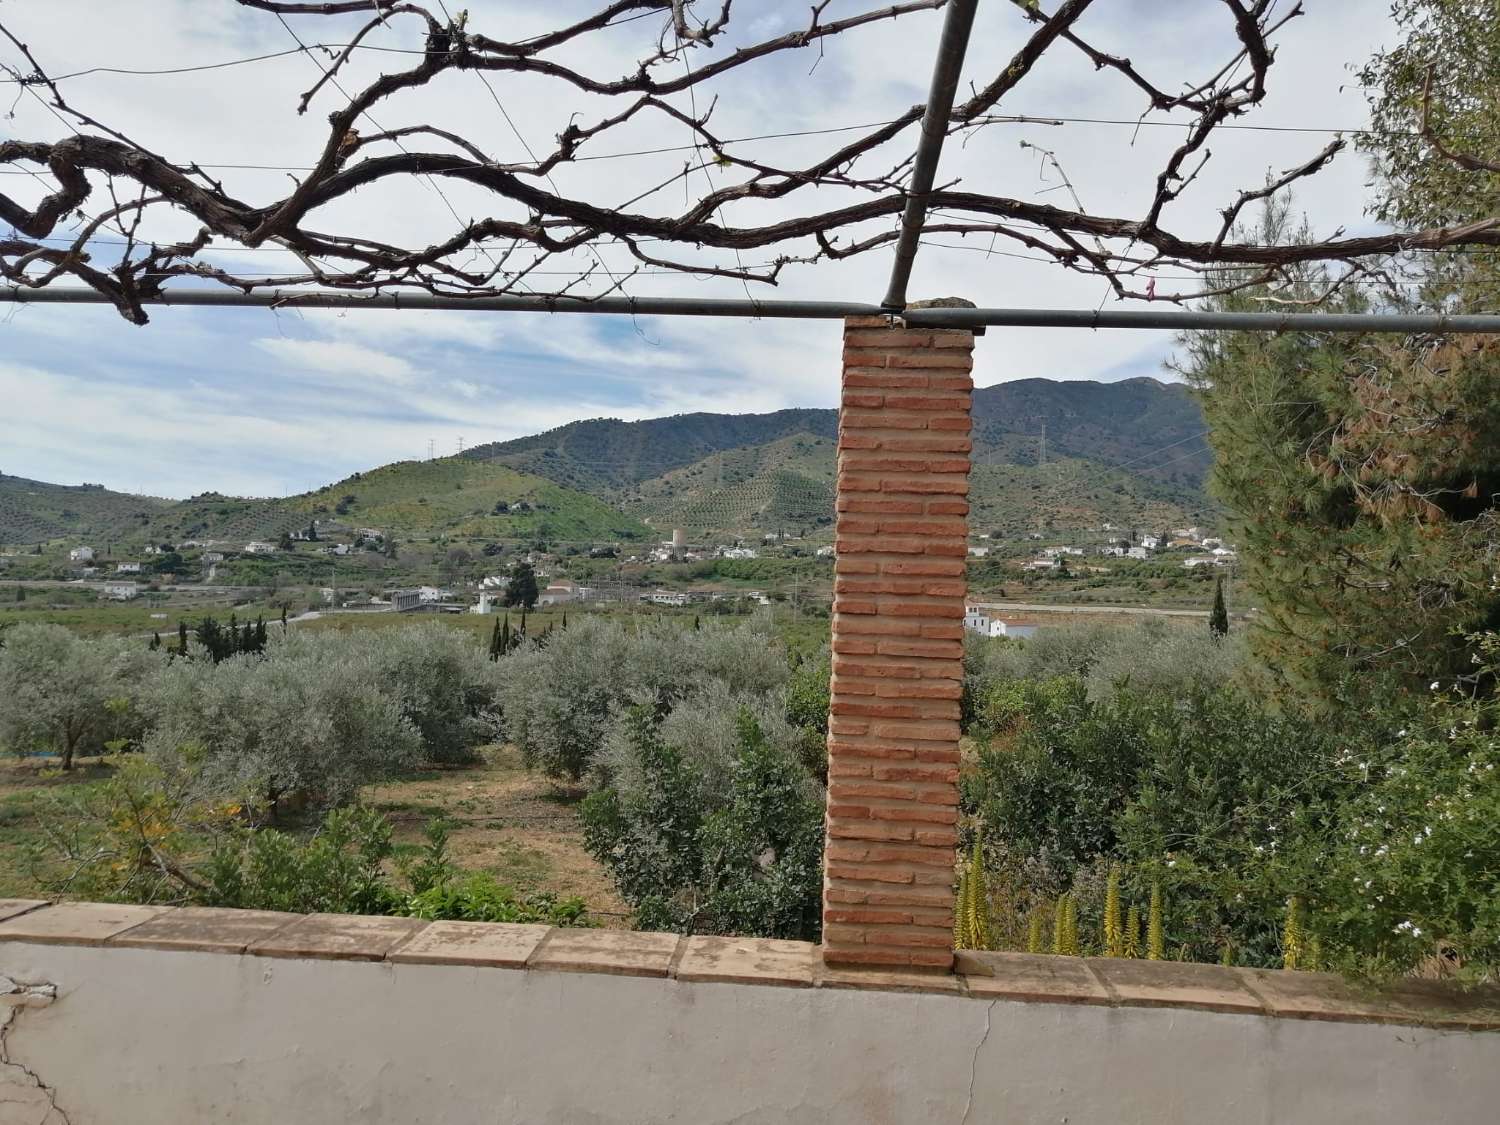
125, 1015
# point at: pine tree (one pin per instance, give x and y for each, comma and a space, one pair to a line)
1155, 925
522, 589
1218, 619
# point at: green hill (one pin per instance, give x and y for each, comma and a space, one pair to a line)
1131, 452
784, 484
35, 512
605, 453
447, 496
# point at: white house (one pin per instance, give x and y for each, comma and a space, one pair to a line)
128, 568
1198, 560
1151, 542
1137, 553
121, 593
211, 557
977, 621
260, 547
430, 594
484, 605
81, 554
1112, 552
666, 597
978, 552
1041, 564
564, 590
825, 552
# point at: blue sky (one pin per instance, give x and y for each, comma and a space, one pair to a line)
258, 402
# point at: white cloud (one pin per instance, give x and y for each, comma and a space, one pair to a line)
337, 357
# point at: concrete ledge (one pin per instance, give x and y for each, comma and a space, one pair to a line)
1018, 977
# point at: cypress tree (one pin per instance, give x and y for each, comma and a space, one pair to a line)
505, 637
260, 634
1218, 620
495, 641
182, 649
155, 642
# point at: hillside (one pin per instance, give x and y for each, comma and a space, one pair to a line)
33, 512
1130, 452
784, 484
446, 496
1154, 428
605, 453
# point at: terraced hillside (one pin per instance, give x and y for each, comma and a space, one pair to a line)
783, 485
447, 496
605, 454
788, 485
35, 512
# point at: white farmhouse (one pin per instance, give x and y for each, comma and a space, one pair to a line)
120, 593
128, 568
977, 621
81, 555
260, 547
978, 552
1138, 553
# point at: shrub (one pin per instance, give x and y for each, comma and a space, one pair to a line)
300, 726
741, 858
1413, 875
560, 701
1223, 804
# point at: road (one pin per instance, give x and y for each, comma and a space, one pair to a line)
1129, 610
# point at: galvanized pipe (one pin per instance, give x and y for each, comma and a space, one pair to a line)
945, 71
1170, 319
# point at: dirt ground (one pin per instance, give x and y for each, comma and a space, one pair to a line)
506, 820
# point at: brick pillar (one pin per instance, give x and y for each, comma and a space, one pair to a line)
898, 606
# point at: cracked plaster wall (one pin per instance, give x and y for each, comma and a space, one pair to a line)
143, 1036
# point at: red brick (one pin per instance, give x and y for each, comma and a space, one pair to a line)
871, 379
958, 528
947, 507
889, 420
952, 649
927, 568
883, 321
865, 400
944, 422
880, 505
928, 360
887, 337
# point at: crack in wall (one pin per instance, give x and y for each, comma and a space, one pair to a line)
989, 1015
16, 997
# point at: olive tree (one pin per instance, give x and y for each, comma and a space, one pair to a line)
62, 694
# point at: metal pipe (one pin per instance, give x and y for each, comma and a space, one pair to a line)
945, 70
1170, 319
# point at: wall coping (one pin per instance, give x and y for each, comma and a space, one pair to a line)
1018, 977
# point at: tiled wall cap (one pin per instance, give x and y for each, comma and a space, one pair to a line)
750, 961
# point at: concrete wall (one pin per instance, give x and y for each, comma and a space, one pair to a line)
149, 1035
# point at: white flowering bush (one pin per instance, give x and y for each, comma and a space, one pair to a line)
1415, 879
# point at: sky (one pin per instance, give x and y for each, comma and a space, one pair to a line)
267, 403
